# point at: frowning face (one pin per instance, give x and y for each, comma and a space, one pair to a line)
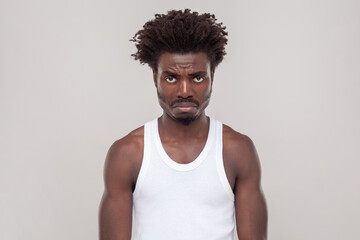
184, 84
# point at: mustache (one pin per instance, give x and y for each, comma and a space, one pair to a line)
184, 100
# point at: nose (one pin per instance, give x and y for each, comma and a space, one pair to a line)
184, 89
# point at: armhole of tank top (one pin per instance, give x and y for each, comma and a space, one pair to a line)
220, 162
145, 160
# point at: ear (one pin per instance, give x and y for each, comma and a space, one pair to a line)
155, 78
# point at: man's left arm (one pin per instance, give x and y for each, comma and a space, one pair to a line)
250, 206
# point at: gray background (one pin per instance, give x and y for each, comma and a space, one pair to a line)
68, 89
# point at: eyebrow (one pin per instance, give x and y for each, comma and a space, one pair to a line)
198, 73
191, 74
170, 73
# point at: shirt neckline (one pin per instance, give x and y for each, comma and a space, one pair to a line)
183, 166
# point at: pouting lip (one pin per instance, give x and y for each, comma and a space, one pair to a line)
184, 104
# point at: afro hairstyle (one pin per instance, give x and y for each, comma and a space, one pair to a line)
180, 32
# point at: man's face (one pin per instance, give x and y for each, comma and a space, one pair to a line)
183, 83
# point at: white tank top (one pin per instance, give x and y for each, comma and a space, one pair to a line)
174, 201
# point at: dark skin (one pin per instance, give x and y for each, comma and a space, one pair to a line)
184, 84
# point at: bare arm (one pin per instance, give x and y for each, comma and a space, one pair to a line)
250, 207
115, 217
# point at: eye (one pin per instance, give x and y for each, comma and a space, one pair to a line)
198, 79
170, 79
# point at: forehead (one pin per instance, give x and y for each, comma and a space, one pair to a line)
196, 61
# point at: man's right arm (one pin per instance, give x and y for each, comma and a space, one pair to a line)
120, 173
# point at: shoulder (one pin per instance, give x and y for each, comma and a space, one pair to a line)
239, 151
130, 145
235, 142
124, 158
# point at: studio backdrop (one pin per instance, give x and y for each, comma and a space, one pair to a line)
69, 89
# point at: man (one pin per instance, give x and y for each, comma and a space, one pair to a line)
186, 174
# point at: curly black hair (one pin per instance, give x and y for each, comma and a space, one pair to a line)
180, 32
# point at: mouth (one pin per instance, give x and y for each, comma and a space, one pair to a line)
185, 106
185, 109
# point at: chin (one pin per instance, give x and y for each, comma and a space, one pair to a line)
185, 121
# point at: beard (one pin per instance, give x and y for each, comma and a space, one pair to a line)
185, 121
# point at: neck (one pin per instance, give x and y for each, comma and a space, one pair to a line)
171, 128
